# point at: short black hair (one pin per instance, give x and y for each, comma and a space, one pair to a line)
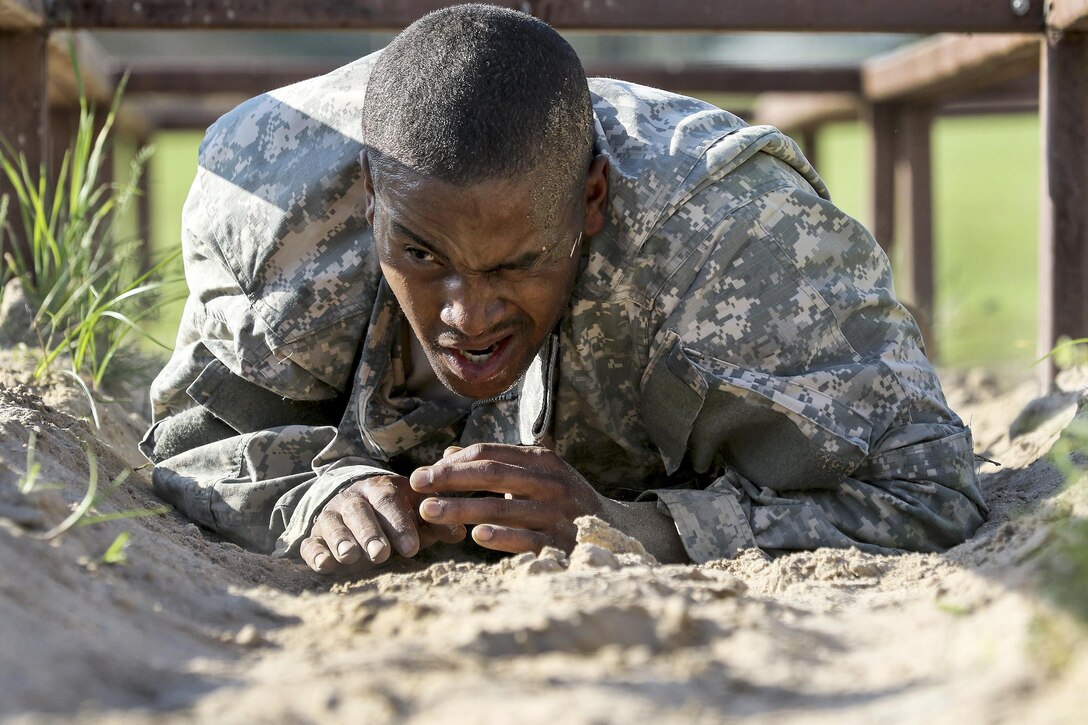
475, 92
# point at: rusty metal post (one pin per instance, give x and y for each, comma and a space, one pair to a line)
914, 182
1063, 238
63, 123
808, 137
882, 128
22, 110
914, 185
143, 212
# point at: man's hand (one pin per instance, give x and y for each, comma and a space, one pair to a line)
357, 525
542, 496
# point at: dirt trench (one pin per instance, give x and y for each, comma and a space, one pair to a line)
192, 627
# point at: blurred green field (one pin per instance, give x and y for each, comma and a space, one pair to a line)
986, 192
986, 221
170, 172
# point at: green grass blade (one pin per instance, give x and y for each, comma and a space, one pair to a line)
124, 515
84, 505
1062, 347
33, 468
115, 554
90, 397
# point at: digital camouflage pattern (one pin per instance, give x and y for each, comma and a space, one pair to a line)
733, 347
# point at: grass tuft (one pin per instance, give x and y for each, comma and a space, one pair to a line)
1064, 566
79, 273
95, 495
116, 553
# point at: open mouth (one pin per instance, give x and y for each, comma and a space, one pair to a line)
473, 365
478, 356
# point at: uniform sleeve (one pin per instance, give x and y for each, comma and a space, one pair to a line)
788, 390
253, 467
227, 321
277, 252
922, 497
246, 439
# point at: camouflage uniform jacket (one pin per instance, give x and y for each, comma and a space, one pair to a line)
733, 346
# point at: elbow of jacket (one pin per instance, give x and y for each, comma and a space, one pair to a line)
954, 519
183, 432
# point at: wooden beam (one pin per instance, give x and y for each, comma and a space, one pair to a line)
1018, 96
96, 70
22, 93
253, 79
143, 211
189, 79
808, 138
1068, 15
918, 16
1063, 238
949, 65
99, 81
23, 108
184, 120
734, 79
882, 118
180, 114
21, 14
805, 110
63, 124
802, 112
914, 199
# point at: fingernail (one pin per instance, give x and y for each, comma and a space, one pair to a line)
320, 559
421, 478
374, 548
407, 545
457, 529
483, 533
344, 548
432, 507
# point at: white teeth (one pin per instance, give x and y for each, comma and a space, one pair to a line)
471, 357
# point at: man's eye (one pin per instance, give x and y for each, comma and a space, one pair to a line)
419, 255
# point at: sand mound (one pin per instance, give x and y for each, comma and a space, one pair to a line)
192, 627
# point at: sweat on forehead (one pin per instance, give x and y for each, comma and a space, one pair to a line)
477, 92
542, 196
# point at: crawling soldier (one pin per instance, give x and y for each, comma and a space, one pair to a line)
457, 266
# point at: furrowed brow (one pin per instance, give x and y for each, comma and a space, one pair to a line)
404, 231
520, 263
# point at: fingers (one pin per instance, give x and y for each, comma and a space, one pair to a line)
316, 555
524, 471
459, 475
349, 529
450, 534
338, 538
512, 540
366, 522
490, 509
502, 452
394, 512
432, 534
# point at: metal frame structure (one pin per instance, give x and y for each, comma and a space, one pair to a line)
986, 56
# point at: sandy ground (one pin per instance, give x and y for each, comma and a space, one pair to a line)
190, 627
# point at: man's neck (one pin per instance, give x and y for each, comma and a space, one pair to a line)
420, 378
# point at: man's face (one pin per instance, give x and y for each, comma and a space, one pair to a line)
482, 273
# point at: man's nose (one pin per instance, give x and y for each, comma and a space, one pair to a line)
472, 306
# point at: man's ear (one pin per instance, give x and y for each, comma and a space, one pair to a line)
368, 185
596, 195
